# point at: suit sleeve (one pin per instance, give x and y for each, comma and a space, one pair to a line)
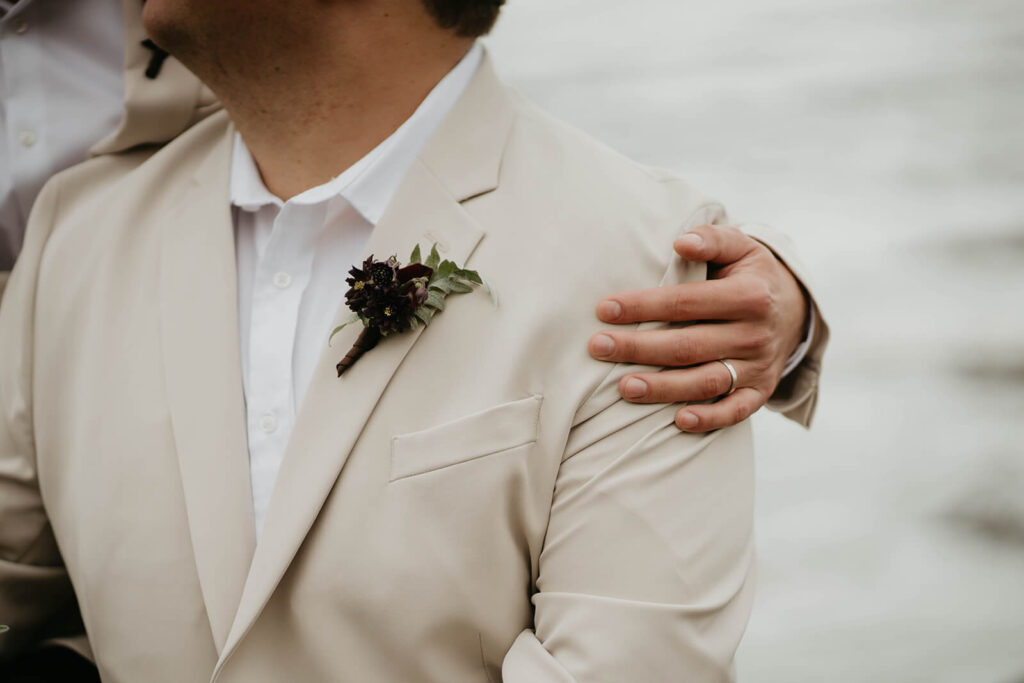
37, 601
646, 571
796, 397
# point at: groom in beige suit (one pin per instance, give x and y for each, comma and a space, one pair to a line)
472, 501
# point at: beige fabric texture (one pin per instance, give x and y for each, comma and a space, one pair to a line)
470, 502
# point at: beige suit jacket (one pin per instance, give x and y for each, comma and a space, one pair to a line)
159, 109
470, 502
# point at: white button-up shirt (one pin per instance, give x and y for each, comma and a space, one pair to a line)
61, 90
293, 258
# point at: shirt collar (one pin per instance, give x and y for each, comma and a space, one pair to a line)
370, 183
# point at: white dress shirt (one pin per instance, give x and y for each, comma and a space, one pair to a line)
61, 91
293, 258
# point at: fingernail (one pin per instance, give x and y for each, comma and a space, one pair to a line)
686, 420
603, 345
634, 388
609, 310
691, 240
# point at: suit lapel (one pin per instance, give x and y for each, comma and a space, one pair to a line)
199, 320
461, 161
335, 409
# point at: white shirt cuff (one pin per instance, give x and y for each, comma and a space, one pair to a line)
805, 345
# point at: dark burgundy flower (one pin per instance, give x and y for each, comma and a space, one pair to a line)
385, 298
389, 298
413, 271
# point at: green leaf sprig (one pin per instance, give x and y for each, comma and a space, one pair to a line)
447, 278
388, 298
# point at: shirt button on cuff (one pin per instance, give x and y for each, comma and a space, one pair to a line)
282, 280
268, 423
21, 27
27, 138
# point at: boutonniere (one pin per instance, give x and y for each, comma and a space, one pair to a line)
389, 298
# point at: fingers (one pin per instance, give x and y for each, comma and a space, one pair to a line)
731, 410
733, 297
681, 346
699, 383
727, 299
721, 244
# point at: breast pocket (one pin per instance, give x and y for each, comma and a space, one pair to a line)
492, 431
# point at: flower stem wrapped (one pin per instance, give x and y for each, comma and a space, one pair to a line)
389, 299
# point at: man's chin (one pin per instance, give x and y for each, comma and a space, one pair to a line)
167, 24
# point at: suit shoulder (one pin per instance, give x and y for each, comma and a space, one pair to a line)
575, 190
589, 173
111, 177
104, 211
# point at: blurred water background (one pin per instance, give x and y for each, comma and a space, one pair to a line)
886, 137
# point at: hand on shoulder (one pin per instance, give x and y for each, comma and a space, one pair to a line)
751, 312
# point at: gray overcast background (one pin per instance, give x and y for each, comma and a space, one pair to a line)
887, 137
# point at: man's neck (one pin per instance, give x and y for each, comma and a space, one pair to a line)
307, 118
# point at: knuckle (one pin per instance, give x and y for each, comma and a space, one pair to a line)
761, 300
739, 412
631, 308
629, 346
663, 390
760, 366
712, 385
679, 305
758, 340
682, 350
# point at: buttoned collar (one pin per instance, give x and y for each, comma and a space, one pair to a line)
369, 184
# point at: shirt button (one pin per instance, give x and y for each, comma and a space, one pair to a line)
282, 280
268, 423
27, 138
21, 26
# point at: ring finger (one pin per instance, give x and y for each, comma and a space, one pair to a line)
697, 383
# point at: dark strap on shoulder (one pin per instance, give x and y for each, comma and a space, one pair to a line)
156, 61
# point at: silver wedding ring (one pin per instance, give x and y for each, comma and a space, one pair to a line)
732, 374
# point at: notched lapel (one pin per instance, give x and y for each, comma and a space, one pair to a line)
199, 330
